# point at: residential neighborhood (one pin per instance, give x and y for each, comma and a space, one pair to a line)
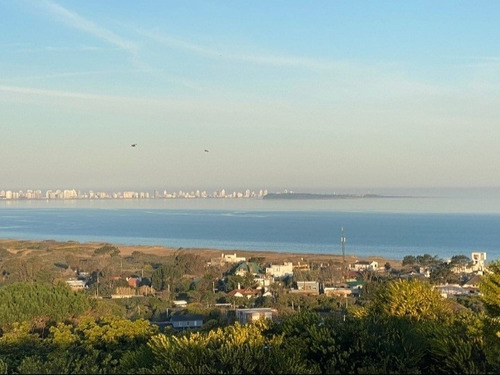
248, 289
285, 307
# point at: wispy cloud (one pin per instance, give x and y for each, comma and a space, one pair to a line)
478, 58
62, 75
261, 59
53, 93
55, 49
76, 21
68, 49
119, 102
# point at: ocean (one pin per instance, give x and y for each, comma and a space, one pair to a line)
437, 222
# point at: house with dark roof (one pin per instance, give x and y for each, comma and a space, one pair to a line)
247, 267
186, 321
473, 282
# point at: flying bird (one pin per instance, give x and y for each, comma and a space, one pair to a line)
133, 144
206, 151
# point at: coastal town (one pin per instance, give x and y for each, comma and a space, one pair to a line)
249, 287
176, 178
59, 194
68, 293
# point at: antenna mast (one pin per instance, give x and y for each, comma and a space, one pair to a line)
342, 242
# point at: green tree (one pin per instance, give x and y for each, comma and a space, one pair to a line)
490, 289
443, 273
428, 260
490, 295
460, 261
410, 299
40, 304
107, 250
234, 282
234, 349
409, 260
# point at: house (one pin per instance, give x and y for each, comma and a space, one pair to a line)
76, 284
227, 258
339, 291
186, 321
124, 292
263, 282
246, 292
356, 287
307, 287
146, 290
478, 260
451, 290
180, 303
279, 271
364, 265
425, 271
473, 282
133, 281
251, 315
81, 275
301, 266
352, 275
477, 265
267, 293
247, 267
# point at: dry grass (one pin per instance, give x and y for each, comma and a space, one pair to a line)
50, 247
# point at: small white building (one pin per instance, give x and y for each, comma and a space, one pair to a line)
180, 303
280, 270
363, 265
227, 258
476, 266
76, 284
306, 287
186, 321
252, 315
478, 260
340, 291
454, 290
263, 282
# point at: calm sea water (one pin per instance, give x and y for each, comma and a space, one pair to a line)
441, 223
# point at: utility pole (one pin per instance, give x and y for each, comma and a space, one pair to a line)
97, 286
344, 268
342, 242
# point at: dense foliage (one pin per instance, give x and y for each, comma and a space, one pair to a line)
396, 326
402, 327
40, 303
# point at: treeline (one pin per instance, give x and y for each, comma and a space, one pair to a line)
400, 326
41, 302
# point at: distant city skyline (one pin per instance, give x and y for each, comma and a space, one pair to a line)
309, 96
9, 194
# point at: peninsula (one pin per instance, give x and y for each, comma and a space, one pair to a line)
325, 196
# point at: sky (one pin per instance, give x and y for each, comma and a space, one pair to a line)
301, 95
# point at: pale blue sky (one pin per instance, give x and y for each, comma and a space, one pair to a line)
304, 95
